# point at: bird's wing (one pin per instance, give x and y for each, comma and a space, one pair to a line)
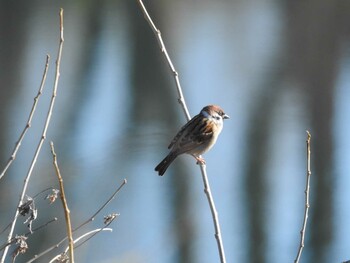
181, 132
192, 137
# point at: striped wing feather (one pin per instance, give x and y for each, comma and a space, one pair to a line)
192, 135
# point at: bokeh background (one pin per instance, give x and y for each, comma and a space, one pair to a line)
278, 68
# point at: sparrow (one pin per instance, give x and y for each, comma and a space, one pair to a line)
196, 137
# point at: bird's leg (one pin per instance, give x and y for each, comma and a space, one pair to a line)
200, 160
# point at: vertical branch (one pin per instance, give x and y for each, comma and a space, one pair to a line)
29, 121
214, 214
42, 139
158, 35
182, 102
307, 198
65, 205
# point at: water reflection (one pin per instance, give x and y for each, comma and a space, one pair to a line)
273, 67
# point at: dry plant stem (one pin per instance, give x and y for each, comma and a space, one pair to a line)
92, 218
158, 35
65, 205
307, 198
182, 102
43, 136
29, 121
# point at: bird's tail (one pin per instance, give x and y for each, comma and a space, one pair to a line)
163, 165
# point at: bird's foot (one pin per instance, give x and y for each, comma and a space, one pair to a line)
200, 160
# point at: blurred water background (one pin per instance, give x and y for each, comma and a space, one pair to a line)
278, 68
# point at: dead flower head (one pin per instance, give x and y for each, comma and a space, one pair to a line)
109, 218
22, 245
53, 195
63, 258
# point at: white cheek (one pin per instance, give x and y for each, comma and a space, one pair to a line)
218, 120
220, 124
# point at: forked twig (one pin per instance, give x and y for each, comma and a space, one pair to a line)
43, 136
65, 205
29, 121
307, 198
182, 102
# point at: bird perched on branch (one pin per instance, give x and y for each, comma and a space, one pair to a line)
196, 137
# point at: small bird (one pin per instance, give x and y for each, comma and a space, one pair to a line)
196, 137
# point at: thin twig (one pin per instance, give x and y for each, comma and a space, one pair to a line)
65, 205
29, 121
42, 226
92, 218
43, 136
182, 102
43, 191
307, 198
29, 233
2, 231
156, 31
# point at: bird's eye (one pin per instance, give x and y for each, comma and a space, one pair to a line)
217, 117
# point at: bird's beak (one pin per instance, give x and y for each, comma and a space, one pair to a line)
225, 116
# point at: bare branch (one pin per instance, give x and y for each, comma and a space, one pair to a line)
214, 213
29, 121
65, 205
182, 102
158, 35
42, 139
307, 198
